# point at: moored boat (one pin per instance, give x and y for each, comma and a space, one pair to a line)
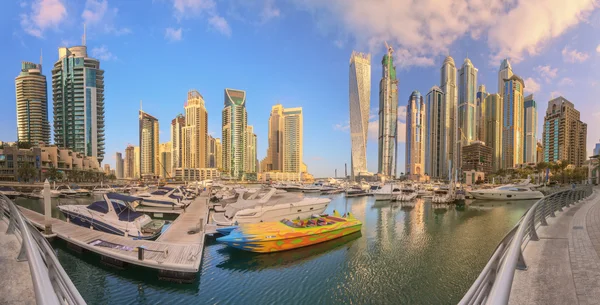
287, 234
9, 192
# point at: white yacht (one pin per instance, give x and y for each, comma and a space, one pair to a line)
114, 214
65, 190
507, 192
269, 205
79, 191
387, 192
164, 197
103, 189
408, 193
9, 192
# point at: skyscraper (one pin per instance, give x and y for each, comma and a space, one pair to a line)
436, 134
360, 103
32, 105
165, 159
195, 132
129, 163
512, 122
493, 128
212, 152
78, 94
250, 161
565, 136
136, 166
448, 86
415, 136
218, 154
148, 145
177, 125
119, 173
234, 132
466, 113
388, 117
481, 95
274, 159
292, 140
505, 72
530, 130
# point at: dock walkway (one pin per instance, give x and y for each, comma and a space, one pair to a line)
176, 254
564, 265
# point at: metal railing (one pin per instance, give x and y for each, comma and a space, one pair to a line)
494, 284
51, 284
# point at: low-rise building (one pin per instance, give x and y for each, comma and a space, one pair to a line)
12, 159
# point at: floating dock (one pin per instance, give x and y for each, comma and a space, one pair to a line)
176, 254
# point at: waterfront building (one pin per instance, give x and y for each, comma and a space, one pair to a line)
530, 130
292, 140
466, 111
436, 154
512, 122
129, 162
493, 128
360, 104
148, 145
177, 125
212, 152
234, 133
539, 152
564, 134
478, 157
250, 161
388, 117
119, 165
107, 169
136, 167
195, 132
273, 161
78, 94
505, 72
32, 105
12, 158
481, 96
218, 154
195, 174
415, 136
164, 160
448, 87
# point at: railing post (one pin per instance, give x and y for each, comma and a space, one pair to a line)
532, 233
552, 205
12, 224
521, 265
47, 209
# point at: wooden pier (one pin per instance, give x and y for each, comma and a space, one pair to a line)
176, 254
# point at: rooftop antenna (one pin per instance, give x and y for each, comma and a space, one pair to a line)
83, 37
140, 105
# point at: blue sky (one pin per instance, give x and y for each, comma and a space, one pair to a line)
296, 53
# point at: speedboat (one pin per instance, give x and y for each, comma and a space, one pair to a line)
290, 234
80, 191
164, 197
114, 214
65, 190
442, 195
387, 192
102, 189
269, 205
507, 192
9, 192
39, 194
408, 193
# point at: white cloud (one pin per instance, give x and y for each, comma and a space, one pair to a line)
531, 86
44, 14
194, 8
574, 56
598, 48
421, 30
554, 94
220, 24
103, 53
97, 14
172, 34
547, 73
342, 126
565, 81
269, 11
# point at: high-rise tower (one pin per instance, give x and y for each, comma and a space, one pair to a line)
195, 132
448, 87
436, 134
32, 105
177, 125
234, 132
493, 128
415, 136
148, 145
250, 161
388, 117
292, 140
466, 113
512, 122
565, 135
274, 159
360, 103
481, 98
78, 94
530, 130
505, 72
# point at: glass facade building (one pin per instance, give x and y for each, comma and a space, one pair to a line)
234, 124
466, 112
415, 136
448, 86
512, 122
32, 105
388, 117
530, 130
149, 155
493, 128
436, 159
360, 104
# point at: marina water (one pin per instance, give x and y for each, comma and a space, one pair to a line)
404, 255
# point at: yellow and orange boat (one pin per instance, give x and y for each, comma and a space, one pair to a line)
287, 234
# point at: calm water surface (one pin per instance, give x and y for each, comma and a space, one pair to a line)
404, 255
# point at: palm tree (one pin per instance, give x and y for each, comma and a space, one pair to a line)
53, 174
26, 171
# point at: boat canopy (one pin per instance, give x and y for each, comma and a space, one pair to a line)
123, 211
6, 189
118, 196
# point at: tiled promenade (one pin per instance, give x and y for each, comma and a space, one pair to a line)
564, 265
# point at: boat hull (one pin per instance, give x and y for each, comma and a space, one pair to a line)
267, 246
506, 196
379, 196
94, 224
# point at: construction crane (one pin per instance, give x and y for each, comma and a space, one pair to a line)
390, 49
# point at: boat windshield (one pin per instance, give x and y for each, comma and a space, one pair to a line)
312, 222
75, 187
